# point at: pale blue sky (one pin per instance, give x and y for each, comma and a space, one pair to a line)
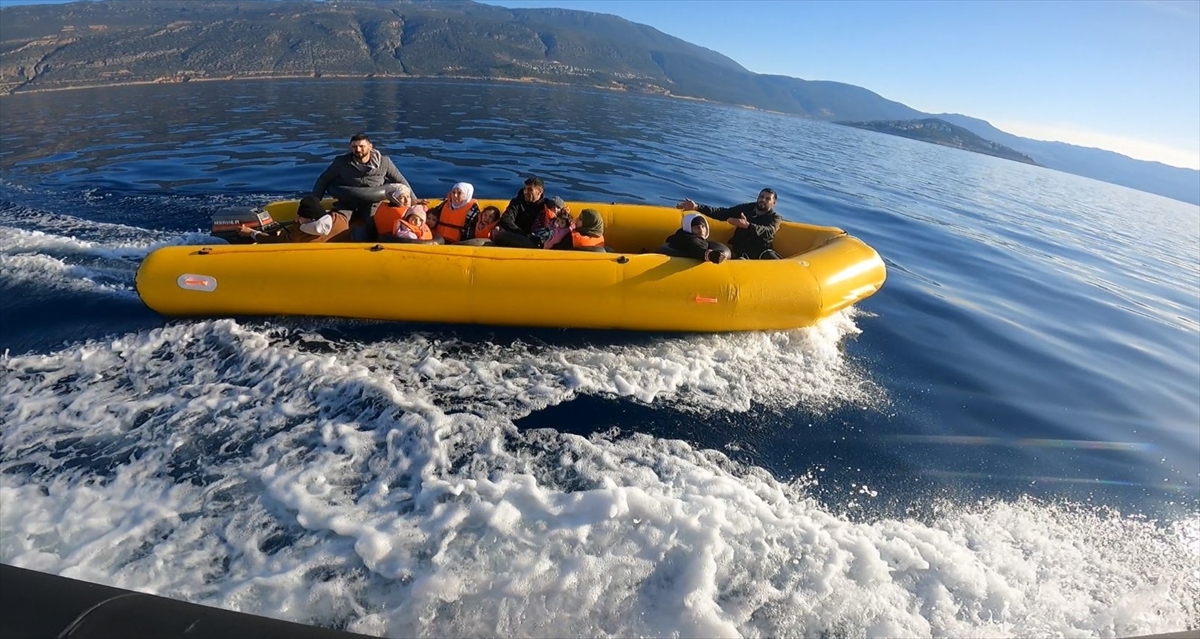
1123, 76
1117, 75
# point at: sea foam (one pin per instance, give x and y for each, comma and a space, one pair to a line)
383, 487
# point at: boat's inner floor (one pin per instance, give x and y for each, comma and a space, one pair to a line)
640, 229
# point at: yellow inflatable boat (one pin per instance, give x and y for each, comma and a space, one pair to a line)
825, 270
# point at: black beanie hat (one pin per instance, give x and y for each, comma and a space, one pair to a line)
310, 208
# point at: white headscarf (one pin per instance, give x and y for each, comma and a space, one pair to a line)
468, 191
395, 190
689, 219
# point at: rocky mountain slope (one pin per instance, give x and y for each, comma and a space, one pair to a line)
941, 132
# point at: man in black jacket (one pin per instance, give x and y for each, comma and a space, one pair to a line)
525, 216
755, 224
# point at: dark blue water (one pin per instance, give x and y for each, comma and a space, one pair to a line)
1005, 440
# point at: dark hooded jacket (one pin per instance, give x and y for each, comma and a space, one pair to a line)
754, 239
685, 243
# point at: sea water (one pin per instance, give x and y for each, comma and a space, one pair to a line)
1004, 441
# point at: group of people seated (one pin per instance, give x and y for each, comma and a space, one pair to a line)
375, 203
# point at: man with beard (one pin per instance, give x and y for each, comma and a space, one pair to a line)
363, 168
526, 219
755, 224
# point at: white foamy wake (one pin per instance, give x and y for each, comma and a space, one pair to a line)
384, 488
54, 261
700, 372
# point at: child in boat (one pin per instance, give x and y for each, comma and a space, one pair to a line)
399, 219
413, 226
584, 234
550, 221
432, 221
691, 240
489, 217
559, 227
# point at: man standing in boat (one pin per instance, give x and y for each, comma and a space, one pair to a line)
755, 224
356, 179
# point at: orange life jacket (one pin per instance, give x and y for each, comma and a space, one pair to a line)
547, 218
452, 223
484, 231
578, 240
386, 216
420, 230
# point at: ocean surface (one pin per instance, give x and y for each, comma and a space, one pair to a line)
1004, 441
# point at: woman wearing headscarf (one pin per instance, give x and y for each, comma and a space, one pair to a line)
399, 219
586, 234
389, 213
457, 214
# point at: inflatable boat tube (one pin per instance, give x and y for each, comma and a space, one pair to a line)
358, 194
824, 271
35, 604
409, 240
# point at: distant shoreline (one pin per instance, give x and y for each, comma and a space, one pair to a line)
334, 76
239, 78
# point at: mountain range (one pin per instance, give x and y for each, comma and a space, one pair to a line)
98, 43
